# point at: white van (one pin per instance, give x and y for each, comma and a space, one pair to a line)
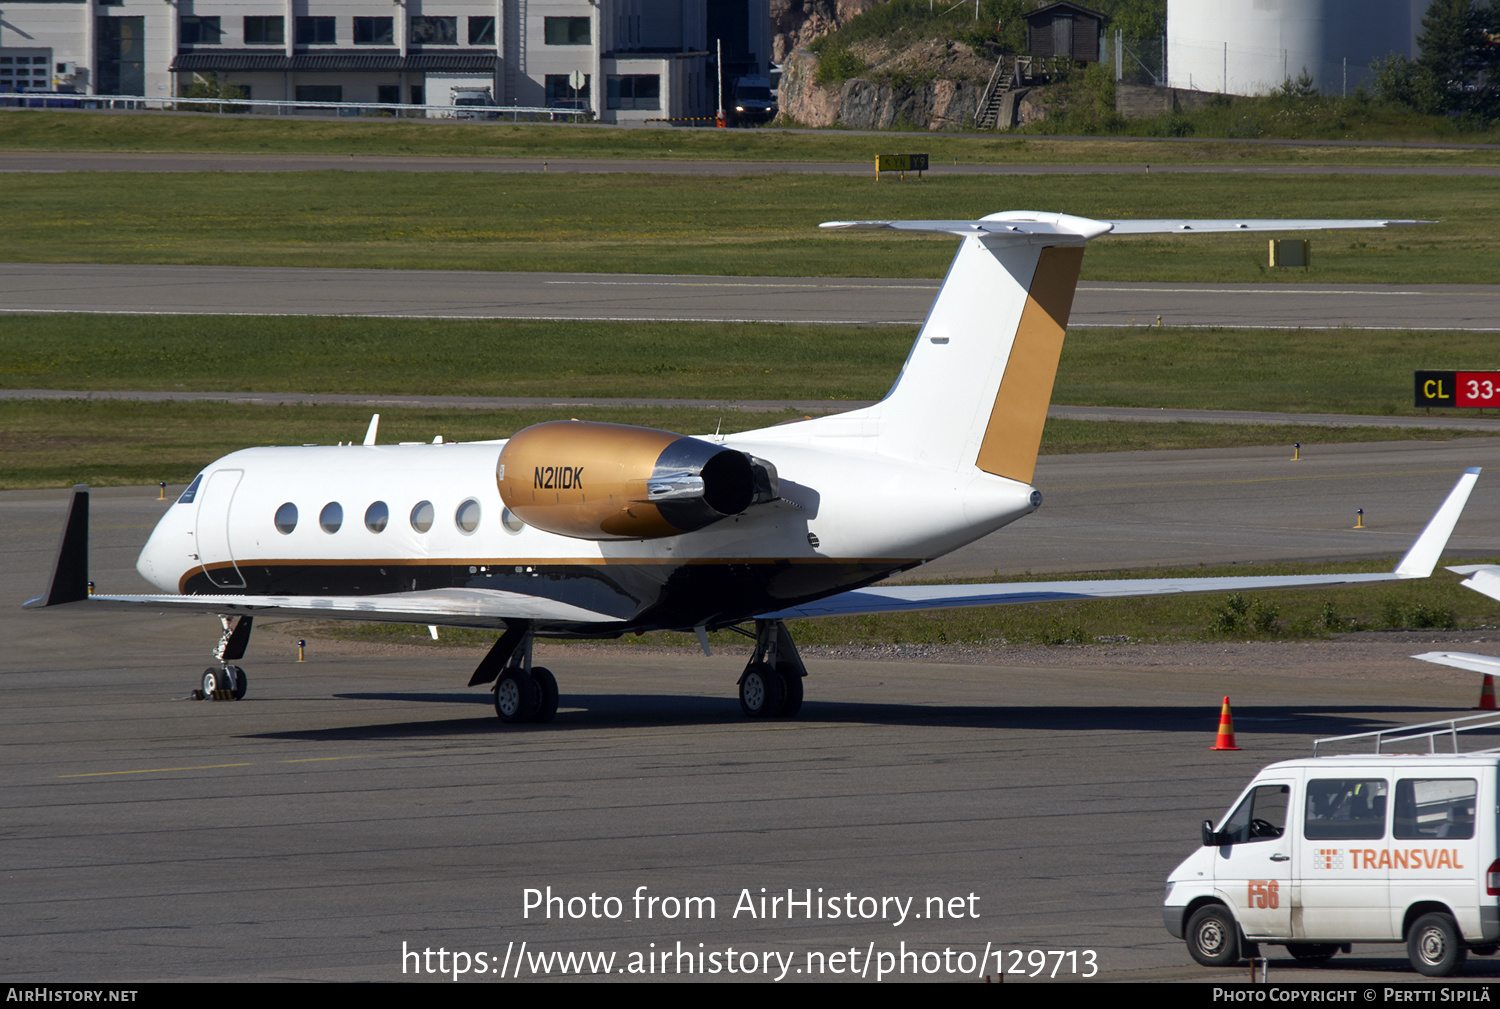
1320, 853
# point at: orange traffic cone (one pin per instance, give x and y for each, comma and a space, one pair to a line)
1226, 730
1487, 694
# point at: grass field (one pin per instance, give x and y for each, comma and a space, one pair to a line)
109, 443
189, 132
1319, 371
750, 225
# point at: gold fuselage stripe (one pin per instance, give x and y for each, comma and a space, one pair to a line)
1014, 433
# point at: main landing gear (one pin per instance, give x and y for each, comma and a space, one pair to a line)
523, 692
225, 681
771, 685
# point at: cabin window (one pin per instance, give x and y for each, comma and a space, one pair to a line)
1345, 809
286, 518
467, 516
377, 516
1435, 808
331, 517
509, 520
421, 517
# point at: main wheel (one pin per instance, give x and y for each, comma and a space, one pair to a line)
1311, 952
546, 685
241, 684
1213, 938
516, 697
762, 691
1434, 946
214, 680
792, 702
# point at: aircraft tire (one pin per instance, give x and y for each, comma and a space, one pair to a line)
241, 682
1434, 947
213, 680
516, 697
791, 693
762, 691
546, 685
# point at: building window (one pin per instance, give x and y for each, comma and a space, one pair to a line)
560, 94
122, 55
316, 31
320, 92
265, 31
567, 31
482, 31
198, 31
388, 94
374, 31
634, 91
434, 31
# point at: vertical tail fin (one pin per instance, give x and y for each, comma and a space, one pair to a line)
975, 388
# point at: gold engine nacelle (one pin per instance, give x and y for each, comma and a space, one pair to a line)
614, 482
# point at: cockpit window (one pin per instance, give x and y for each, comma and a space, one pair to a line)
421, 516
286, 518
192, 490
331, 517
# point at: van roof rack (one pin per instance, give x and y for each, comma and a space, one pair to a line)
1430, 731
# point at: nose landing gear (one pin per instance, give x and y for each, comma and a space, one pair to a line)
227, 682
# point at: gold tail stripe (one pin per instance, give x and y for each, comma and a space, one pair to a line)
1014, 434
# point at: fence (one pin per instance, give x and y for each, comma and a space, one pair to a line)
57, 100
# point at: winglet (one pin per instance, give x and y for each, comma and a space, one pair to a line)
1423, 555
70, 575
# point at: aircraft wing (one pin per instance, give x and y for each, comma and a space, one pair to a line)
486, 608
1419, 562
1463, 660
1483, 578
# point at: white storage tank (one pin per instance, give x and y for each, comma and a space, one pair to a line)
1249, 47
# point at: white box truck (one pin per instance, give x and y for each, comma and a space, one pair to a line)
1321, 853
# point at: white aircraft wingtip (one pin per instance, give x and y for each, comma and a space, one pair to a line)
1422, 558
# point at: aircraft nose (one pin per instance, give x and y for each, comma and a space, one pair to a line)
168, 550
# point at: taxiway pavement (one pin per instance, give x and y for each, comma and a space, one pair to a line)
365, 802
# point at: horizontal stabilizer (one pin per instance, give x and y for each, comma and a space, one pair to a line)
1033, 226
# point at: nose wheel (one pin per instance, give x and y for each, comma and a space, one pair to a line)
224, 683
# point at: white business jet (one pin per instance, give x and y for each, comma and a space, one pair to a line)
585, 530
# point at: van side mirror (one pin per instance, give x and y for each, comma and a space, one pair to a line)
1210, 836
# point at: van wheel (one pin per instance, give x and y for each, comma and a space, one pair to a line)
1434, 947
1311, 952
1213, 938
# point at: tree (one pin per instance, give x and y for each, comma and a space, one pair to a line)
1452, 44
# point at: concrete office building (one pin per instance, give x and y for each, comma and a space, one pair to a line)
653, 58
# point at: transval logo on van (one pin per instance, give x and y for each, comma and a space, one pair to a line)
1387, 858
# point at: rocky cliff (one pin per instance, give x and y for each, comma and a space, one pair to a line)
935, 84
